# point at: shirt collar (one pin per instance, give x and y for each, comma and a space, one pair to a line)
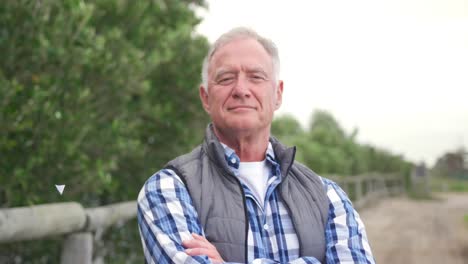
233, 160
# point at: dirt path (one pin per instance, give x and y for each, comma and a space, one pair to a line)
402, 230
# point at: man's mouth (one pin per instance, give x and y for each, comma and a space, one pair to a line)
240, 107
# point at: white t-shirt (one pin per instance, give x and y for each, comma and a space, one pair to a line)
255, 176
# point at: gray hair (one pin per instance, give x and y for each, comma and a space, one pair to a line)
239, 33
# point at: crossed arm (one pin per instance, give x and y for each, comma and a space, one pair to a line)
171, 232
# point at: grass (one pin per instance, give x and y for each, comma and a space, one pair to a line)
420, 191
460, 186
449, 185
415, 195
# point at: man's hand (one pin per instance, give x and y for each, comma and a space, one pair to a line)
200, 246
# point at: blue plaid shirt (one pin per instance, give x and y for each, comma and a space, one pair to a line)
166, 217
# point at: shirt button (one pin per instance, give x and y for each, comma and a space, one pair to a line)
266, 227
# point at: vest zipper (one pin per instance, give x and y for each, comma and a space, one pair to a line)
287, 205
244, 201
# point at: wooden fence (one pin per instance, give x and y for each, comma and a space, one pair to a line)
366, 189
82, 225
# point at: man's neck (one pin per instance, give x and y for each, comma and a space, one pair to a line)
248, 146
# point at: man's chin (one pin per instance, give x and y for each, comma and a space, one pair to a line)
244, 125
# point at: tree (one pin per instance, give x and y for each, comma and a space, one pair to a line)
328, 149
96, 95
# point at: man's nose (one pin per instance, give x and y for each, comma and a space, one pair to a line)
241, 88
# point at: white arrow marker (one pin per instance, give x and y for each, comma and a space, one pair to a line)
60, 188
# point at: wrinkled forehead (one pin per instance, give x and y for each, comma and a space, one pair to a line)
241, 54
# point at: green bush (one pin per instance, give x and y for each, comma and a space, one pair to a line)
327, 149
96, 95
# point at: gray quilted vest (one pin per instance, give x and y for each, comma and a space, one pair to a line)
220, 202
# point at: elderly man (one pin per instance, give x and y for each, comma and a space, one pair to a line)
240, 196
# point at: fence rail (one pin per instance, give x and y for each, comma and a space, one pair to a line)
71, 219
366, 189
81, 224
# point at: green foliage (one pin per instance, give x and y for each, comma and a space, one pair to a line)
327, 149
97, 95
287, 126
451, 165
447, 184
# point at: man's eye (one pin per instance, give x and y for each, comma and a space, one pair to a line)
257, 78
226, 80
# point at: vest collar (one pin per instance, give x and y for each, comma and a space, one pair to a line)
215, 151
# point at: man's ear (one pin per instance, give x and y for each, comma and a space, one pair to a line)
279, 95
204, 98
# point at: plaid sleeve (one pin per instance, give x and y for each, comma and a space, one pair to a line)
302, 260
166, 216
305, 260
345, 233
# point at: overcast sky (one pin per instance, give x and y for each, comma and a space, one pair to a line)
395, 69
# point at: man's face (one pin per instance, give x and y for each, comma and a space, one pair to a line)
242, 93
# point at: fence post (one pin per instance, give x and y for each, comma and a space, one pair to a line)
391, 186
383, 186
359, 194
373, 188
78, 249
